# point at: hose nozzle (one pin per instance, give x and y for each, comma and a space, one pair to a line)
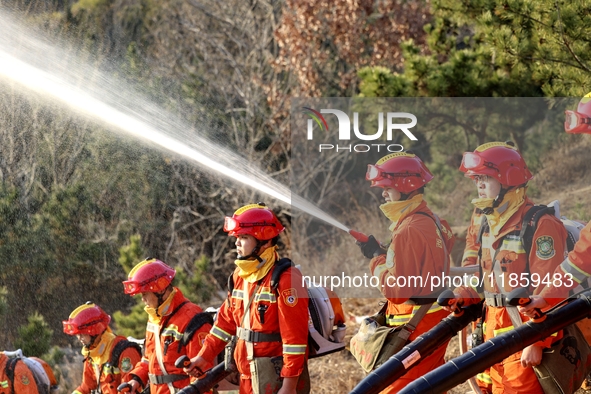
359, 236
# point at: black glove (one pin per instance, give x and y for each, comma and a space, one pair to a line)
371, 248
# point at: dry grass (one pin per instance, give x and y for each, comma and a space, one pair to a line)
69, 371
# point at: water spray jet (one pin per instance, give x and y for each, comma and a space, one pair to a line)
52, 78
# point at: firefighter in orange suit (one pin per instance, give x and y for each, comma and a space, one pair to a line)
176, 327
501, 176
420, 248
276, 324
470, 258
101, 372
22, 381
578, 263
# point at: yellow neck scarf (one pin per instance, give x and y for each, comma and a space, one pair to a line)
253, 270
511, 203
398, 210
155, 315
100, 353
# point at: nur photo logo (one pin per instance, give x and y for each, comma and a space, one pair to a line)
344, 130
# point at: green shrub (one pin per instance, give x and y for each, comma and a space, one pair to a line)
35, 337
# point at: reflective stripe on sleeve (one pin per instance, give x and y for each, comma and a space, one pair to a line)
221, 334
294, 349
578, 274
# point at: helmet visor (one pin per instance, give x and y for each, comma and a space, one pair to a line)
131, 287
574, 122
70, 328
373, 173
231, 224
471, 161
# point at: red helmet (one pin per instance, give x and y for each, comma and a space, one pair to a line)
498, 160
150, 275
579, 121
87, 319
256, 220
404, 172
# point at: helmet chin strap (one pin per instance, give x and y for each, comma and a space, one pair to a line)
406, 196
255, 252
160, 297
92, 341
497, 201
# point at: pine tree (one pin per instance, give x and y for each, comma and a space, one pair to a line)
35, 337
495, 48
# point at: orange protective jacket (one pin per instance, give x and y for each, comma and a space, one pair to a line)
286, 313
415, 255
577, 265
470, 256
547, 252
416, 251
24, 381
172, 328
110, 376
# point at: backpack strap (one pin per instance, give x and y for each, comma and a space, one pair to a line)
279, 268
194, 325
529, 225
175, 310
483, 227
119, 348
9, 369
408, 328
230, 287
437, 221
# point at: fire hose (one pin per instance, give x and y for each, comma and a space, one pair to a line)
423, 345
456, 371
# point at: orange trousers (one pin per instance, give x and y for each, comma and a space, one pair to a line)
429, 363
509, 377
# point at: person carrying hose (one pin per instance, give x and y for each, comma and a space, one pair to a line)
500, 175
269, 322
419, 247
578, 262
176, 327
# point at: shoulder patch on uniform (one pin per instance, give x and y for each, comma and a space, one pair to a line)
290, 297
448, 234
545, 247
126, 364
25, 380
439, 243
